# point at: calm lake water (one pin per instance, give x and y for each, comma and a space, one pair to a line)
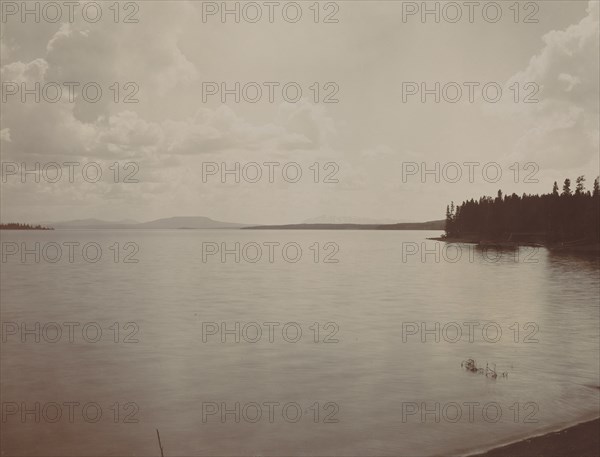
358, 380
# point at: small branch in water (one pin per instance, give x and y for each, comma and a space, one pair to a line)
159, 444
471, 366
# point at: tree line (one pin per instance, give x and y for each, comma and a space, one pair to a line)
18, 226
560, 216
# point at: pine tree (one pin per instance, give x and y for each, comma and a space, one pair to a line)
580, 186
448, 221
567, 187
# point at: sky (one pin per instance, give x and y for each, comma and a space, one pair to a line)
358, 115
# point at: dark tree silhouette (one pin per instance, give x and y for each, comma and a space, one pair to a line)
550, 218
567, 187
18, 226
449, 218
580, 186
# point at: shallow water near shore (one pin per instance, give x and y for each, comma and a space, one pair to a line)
375, 371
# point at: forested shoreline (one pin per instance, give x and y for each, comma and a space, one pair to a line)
18, 226
559, 217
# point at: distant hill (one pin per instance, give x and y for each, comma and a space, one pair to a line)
201, 222
431, 225
198, 222
190, 222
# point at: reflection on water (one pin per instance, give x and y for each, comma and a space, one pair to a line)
381, 388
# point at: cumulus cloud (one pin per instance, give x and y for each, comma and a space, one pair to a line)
562, 128
170, 132
24, 72
168, 151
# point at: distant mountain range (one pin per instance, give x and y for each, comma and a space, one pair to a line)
200, 222
191, 222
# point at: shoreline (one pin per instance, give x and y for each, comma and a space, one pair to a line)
467, 240
585, 248
579, 440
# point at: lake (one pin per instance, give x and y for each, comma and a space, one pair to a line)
319, 343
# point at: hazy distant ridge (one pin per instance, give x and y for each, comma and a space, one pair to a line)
201, 222
431, 225
181, 222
